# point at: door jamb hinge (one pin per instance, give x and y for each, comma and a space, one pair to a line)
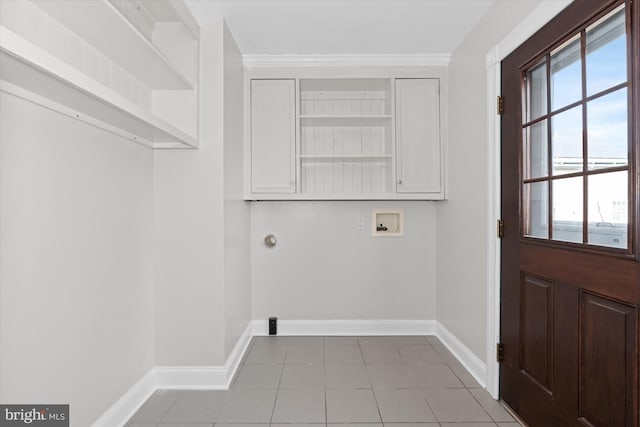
500, 227
500, 105
499, 352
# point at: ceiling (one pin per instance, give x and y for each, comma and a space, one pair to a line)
343, 27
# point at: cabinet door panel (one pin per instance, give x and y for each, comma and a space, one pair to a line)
418, 136
273, 136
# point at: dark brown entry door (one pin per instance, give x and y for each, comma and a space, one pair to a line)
570, 266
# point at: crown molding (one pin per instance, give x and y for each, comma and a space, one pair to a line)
417, 60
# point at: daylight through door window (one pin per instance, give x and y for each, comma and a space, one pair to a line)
576, 138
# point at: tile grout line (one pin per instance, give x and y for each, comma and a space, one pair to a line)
324, 345
482, 406
324, 380
170, 406
275, 401
424, 395
375, 399
446, 359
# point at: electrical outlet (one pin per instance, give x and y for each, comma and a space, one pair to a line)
360, 223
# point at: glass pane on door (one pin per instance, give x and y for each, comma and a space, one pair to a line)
566, 75
566, 141
536, 150
537, 199
606, 53
607, 132
567, 209
537, 91
608, 209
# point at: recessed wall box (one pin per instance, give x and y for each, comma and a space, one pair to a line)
387, 222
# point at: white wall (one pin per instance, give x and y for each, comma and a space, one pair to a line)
189, 230
201, 224
88, 223
237, 258
323, 267
462, 238
76, 317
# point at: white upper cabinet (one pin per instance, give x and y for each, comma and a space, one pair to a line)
344, 138
418, 136
273, 136
127, 66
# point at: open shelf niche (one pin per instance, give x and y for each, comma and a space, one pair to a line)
127, 66
346, 142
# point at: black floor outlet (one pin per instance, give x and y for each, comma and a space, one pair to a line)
273, 326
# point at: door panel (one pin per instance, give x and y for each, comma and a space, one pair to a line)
609, 338
536, 330
570, 273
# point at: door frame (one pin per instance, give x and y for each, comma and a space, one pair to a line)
532, 23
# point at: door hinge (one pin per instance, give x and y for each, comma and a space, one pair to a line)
500, 105
499, 352
500, 229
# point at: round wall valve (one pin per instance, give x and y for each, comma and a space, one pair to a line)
270, 241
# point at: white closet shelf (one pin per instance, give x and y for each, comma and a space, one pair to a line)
173, 11
32, 73
105, 28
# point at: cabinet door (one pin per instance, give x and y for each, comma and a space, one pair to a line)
418, 136
273, 138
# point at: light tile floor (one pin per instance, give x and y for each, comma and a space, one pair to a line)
407, 381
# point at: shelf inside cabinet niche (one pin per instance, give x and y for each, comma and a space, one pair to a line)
345, 117
34, 74
103, 26
345, 176
345, 121
345, 156
334, 99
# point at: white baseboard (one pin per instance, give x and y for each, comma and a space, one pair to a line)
191, 377
220, 377
120, 412
205, 377
176, 377
239, 350
348, 327
476, 367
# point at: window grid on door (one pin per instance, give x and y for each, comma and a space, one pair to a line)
576, 138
